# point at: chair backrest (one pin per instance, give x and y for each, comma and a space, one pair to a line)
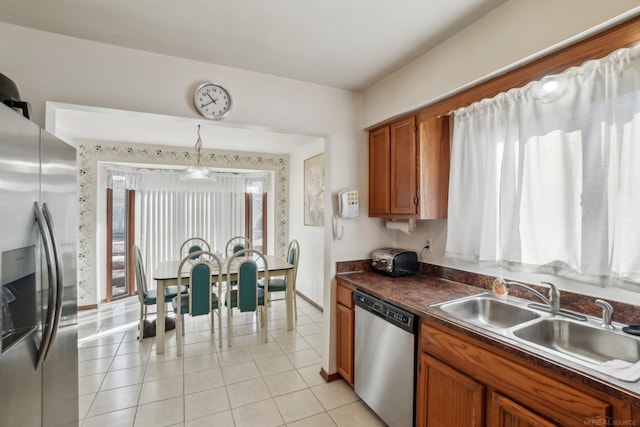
247, 264
193, 244
237, 244
293, 255
200, 282
141, 279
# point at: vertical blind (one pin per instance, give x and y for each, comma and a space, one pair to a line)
546, 177
169, 211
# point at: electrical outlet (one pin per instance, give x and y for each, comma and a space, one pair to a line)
427, 245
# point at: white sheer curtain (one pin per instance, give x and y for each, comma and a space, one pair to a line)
169, 210
547, 177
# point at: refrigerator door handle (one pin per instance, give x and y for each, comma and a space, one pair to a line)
59, 277
52, 275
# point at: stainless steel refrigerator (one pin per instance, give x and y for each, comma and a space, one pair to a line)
38, 226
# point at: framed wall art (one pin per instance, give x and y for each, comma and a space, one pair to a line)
314, 190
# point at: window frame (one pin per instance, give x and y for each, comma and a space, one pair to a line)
130, 280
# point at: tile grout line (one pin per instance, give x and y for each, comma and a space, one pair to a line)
246, 343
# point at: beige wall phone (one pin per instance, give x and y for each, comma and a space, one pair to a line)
348, 207
348, 203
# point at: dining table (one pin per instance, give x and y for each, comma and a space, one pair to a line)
166, 274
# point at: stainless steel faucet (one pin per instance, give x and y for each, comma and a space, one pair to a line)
607, 312
552, 304
554, 297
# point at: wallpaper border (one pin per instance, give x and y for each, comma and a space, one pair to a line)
89, 154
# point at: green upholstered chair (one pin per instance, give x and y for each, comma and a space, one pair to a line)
193, 244
247, 296
236, 244
148, 296
279, 284
201, 298
233, 246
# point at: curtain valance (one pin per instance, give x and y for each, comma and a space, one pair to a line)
122, 177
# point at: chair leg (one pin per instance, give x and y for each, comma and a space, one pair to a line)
182, 321
219, 328
266, 324
179, 326
229, 311
295, 305
212, 327
141, 325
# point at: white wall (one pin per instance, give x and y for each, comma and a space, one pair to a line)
311, 238
514, 31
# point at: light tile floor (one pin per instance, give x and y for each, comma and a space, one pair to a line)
125, 383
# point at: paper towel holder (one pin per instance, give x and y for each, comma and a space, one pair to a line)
405, 225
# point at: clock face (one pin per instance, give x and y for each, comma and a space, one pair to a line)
212, 101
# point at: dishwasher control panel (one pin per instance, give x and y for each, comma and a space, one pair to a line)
399, 317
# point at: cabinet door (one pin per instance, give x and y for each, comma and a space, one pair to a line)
344, 338
504, 412
446, 397
433, 142
404, 165
379, 163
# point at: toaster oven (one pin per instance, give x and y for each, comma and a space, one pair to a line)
395, 262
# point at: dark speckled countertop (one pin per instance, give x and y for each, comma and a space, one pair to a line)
413, 293
417, 292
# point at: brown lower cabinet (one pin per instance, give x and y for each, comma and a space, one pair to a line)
448, 397
467, 383
345, 321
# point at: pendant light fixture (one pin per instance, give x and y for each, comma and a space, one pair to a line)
197, 172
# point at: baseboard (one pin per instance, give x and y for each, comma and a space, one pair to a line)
329, 377
87, 307
309, 300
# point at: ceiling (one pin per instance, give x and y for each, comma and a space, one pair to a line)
347, 44
81, 123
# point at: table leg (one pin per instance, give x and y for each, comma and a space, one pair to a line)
160, 317
289, 299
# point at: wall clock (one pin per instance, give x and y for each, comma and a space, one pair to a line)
212, 101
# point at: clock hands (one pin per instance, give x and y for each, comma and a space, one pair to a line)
212, 100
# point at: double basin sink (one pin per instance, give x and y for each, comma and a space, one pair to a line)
580, 342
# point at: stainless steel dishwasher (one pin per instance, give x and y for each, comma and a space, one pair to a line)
384, 364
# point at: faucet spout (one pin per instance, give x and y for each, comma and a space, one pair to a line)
552, 303
548, 301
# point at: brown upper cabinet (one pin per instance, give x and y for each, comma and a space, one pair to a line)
409, 168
